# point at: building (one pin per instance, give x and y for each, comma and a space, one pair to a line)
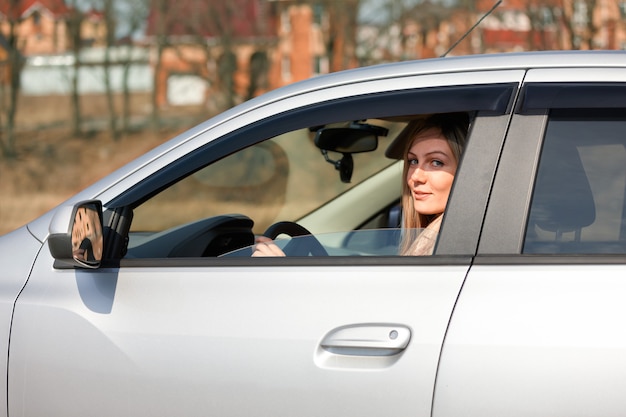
43, 27
218, 47
224, 52
39, 25
553, 24
429, 30
259, 45
93, 29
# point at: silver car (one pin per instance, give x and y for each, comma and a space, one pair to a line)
138, 296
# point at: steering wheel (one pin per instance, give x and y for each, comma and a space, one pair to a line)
296, 247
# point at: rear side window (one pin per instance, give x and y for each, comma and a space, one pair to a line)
579, 199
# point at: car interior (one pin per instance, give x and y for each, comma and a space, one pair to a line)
326, 190
250, 189
579, 199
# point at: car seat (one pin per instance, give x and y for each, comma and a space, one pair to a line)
562, 200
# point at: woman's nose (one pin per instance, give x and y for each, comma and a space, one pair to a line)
418, 175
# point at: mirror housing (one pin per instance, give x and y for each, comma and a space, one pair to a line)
356, 138
76, 238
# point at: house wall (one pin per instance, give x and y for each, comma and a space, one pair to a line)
297, 53
292, 59
93, 31
40, 33
4, 67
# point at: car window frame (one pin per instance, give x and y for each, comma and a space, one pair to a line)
493, 98
504, 230
490, 100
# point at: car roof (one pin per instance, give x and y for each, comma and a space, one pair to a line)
485, 62
466, 63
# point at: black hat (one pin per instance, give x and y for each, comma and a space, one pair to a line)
396, 148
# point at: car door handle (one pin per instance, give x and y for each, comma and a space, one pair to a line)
367, 339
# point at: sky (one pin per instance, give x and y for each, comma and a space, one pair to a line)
370, 12
377, 11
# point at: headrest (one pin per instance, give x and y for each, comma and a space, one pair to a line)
563, 200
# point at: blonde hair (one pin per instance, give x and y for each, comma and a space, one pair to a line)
454, 127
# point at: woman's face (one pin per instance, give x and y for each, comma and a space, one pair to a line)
431, 169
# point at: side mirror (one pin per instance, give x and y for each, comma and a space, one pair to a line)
76, 237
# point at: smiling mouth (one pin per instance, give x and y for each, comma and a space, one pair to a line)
420, 195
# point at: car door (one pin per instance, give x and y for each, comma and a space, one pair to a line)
303, 336
538, 327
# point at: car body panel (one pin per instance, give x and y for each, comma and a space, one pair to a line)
536, 335
230, 340
16, 266
536, 340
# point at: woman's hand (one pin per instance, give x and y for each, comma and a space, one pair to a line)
264, 246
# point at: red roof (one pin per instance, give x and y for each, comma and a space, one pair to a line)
484, 5
94, 14
211, 18
20, 8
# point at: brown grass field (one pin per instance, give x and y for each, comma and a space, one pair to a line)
51, 165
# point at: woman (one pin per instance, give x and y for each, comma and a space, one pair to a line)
431, 158
431, 148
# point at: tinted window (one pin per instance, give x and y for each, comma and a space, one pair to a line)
579, 196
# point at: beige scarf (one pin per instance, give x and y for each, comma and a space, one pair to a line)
424, 244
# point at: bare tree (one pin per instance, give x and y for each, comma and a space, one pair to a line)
469, 39
160, 8
109, 19
223, 15
341, 38
430, 17
74, 24
378, 37
226, 67
15, 64
204, 38
131, 20
579, 23
259, 66
542, 27
419, 29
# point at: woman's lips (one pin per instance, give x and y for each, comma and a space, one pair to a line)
420, 195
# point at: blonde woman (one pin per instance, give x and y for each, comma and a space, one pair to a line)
431, 148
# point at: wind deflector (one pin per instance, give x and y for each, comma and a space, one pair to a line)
539, 96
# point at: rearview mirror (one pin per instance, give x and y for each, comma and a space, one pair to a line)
356, 138
76, 237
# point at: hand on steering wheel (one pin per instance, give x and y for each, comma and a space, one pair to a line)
302, 246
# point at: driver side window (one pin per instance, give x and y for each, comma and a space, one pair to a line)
221, 207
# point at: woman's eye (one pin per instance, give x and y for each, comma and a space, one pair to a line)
412, 161
437, 163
